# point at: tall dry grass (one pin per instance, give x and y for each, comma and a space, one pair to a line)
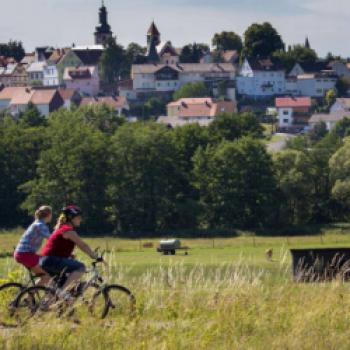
223, 307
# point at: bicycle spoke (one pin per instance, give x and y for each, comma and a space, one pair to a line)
92, 302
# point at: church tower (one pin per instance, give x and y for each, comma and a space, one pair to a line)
153, 35
103, 30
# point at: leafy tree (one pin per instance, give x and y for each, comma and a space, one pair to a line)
227, 41
318, 132
188, 139
342, 86
236, 184
20, 147
233, 126
133, 51
296, 54
342, 128
330, 98
323, 208
294, 175
13, 49
113, 62
196, 89
340, 177
261, 40
32, 117
102, 117
146, 181
155, 107
192, 53
72, 169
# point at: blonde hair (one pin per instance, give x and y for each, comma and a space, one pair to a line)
62, 219
43, 212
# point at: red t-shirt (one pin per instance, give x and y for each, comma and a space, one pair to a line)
57, 245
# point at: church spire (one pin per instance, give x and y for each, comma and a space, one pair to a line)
153, 34
103, 30
307, 43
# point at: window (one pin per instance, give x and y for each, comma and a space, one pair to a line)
286, 121
285, 112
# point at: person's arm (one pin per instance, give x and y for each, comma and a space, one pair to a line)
45, 232
73, 236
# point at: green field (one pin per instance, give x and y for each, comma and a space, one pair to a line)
224, 295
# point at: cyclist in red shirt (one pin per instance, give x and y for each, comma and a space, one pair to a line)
57, 253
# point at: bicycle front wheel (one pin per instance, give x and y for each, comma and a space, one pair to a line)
120, 302
8, 294
92, 301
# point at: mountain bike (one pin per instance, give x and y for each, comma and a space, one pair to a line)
91, 297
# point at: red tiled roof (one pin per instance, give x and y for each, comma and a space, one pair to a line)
202, 107
9, 92
23, 95
43, 96
290, 102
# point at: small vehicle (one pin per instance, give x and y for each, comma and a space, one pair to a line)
169, 246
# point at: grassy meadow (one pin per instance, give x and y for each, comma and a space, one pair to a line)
224, 294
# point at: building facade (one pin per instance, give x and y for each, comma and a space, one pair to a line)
293, 112
85, 80
169, 78
261, 78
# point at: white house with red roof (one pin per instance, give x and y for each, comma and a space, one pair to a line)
196, 110
293, 112
83, 79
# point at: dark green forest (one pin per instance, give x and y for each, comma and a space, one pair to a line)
143, 178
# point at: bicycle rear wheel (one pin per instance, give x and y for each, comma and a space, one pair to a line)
34, 301
8, 294
120, 302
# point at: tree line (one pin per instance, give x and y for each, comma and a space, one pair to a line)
144, 178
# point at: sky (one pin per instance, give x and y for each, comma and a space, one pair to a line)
63, 22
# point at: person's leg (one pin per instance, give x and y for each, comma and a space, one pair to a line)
72, 279
44, 276
75, 270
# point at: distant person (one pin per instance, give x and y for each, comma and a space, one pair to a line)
26, 252
57, 253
